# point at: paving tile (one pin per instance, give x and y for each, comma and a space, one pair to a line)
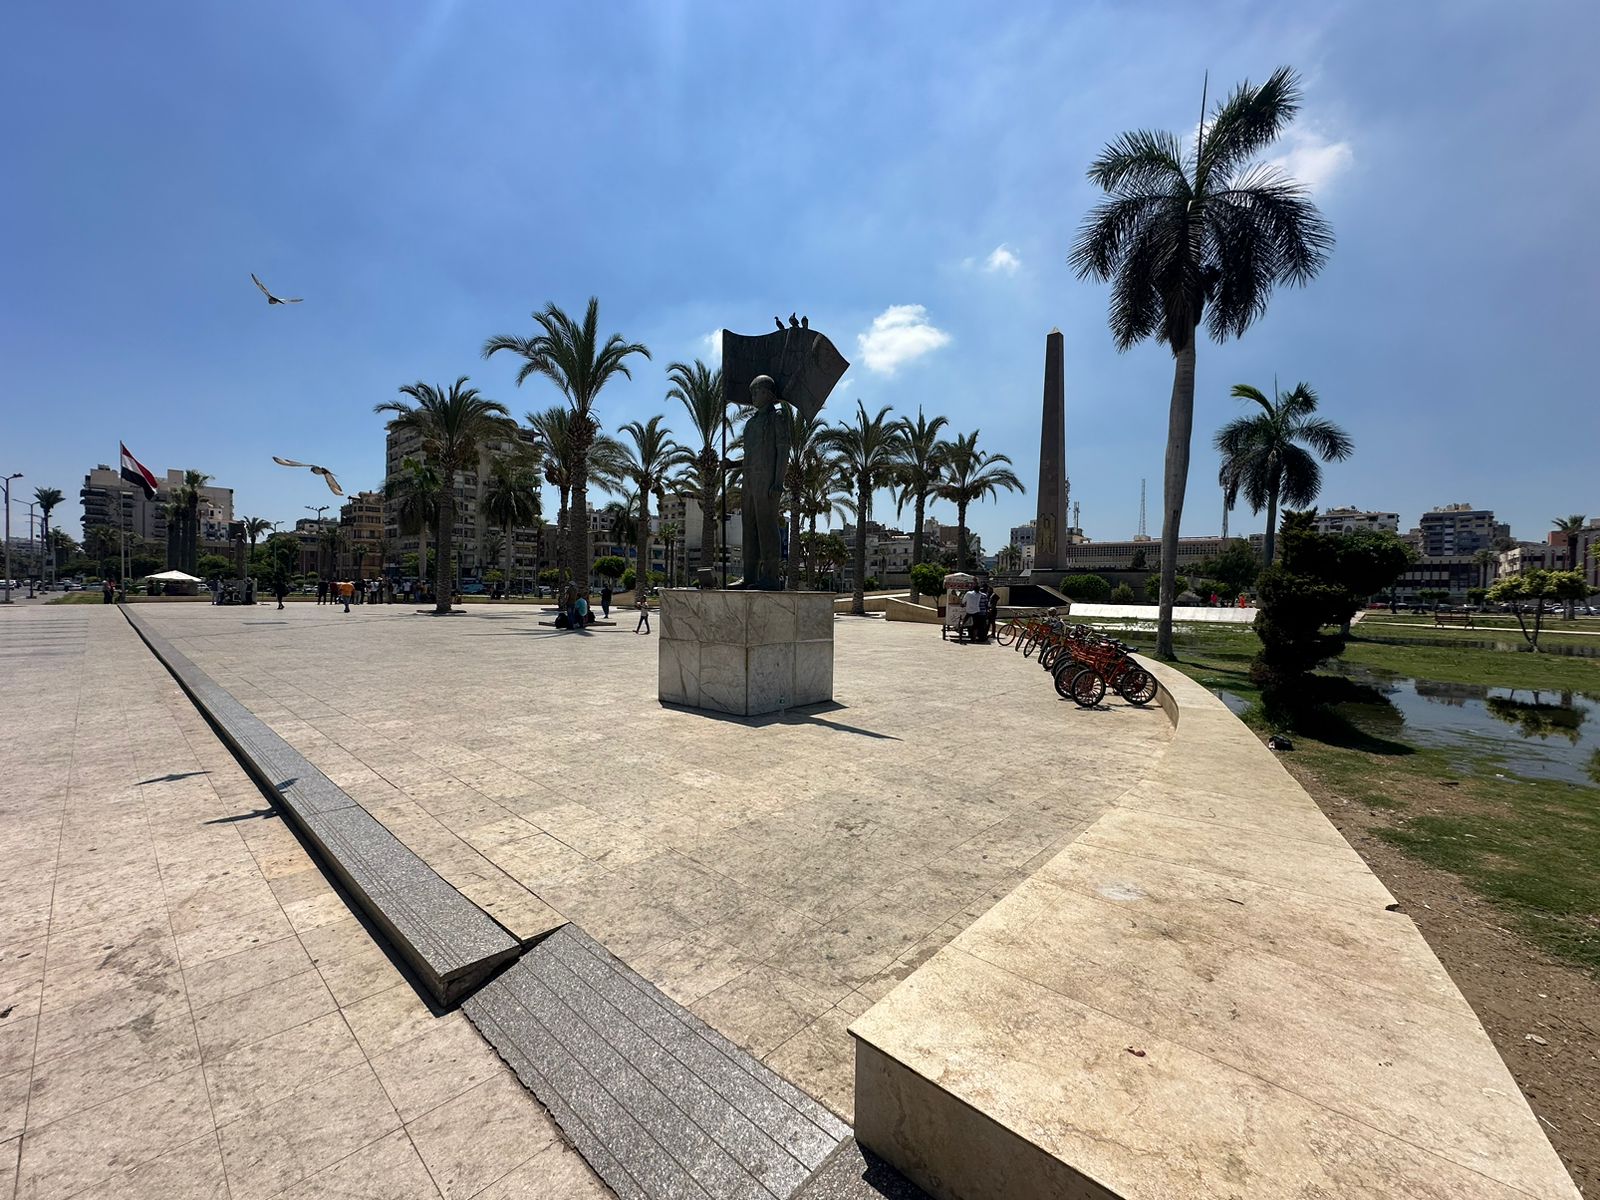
191, 1172
139, 1053
556, 1173
262, 1073
91, 1145
438, 1065
473, 1140
250, 1017
387, 1169
389, 1019
283, 1143
220, 979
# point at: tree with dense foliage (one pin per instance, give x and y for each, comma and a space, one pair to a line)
451, 424
1198, 234
927, 579
651, 460
971, 475
511, 500
1487, 561
1236, 568
553, 430
1534, 589
254, 527
47, 498
1152, 587
1265, 456
572, 356
1122, 594
806, 441
1571, 528
1297, 597
699, 389
610, 566
185, 509
1367, 561
416, 493
867, 451
918, 474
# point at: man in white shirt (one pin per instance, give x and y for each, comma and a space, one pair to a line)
974, 606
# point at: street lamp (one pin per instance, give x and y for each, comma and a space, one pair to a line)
8, 479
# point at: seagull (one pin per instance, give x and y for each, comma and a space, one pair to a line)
271, 299
778, 321
327, 475
794, 321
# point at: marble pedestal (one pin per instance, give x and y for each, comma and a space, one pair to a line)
745, 653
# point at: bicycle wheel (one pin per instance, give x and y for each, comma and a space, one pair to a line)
1137, 686
1088, 688
1006, 634
1063, 679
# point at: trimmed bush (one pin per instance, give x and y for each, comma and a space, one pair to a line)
1089, 588
1122, 594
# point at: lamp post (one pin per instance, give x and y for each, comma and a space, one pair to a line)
8, 479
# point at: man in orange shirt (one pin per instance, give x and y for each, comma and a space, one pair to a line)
346, 590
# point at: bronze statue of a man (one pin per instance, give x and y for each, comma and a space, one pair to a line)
797, 366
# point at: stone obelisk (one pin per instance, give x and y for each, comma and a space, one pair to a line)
1050, 525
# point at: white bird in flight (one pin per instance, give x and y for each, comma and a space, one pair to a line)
271, 299
327, 475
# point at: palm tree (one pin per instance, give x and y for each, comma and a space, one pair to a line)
1571, 527
330, 538
552, 431
670, 534
185, 510
1011, 556
511, 500
1187, 236
416, 491
254, 527
451, 424
970, 475
918, 474
867, 451
47, 498
1263, 460
572, 357
1487, 560
651, 460
699, 389
805, 441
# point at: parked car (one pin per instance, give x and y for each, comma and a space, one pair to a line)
473, 588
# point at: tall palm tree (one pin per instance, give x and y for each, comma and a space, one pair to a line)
552, 431
331, 539
918, 474
572, 356
381, 550
1192, 235
511, 500
806, 435
1571, 527
651, 459
971, 475
1011, 555
699, 389
1487, 560
186, 511
670, 532
867, 451
254, 527
451, 424
1262, 455
47, 498
416, 493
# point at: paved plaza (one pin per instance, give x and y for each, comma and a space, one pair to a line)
184, 999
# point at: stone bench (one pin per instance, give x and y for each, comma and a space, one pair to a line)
1207, 994
451, 943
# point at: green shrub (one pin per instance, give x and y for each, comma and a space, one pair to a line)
1152, 587
928, 578
1122, 594
611, 566
1089, 588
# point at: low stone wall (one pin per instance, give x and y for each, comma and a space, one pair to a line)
874, 603
1149, 612
1207, 994
896, 609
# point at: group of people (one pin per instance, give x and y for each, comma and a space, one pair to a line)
346, 592
577, 613
981, 605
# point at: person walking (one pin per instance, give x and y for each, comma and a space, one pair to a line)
280, 589
108, 591
973, 603
322, 591
643, 605
605, 601
346, 590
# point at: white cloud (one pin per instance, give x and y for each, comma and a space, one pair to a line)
1313, 160
711, 345
1002, 259
900, 334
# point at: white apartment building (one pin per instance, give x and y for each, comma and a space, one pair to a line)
1348, 520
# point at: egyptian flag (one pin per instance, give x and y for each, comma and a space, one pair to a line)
137, 473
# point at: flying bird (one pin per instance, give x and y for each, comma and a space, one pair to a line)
327, 475
271, 299
778, 321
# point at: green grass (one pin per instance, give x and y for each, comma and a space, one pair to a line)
1531, 846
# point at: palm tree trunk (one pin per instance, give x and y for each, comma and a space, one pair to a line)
858, 603
563, 534
1180, 426
1270, 546
961, 536
916, 543
511, 560
641, 573
793, 563
582, 439
708, 513
444, 539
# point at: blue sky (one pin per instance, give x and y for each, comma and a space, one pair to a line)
909, 175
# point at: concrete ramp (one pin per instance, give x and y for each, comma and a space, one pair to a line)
660, 1104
